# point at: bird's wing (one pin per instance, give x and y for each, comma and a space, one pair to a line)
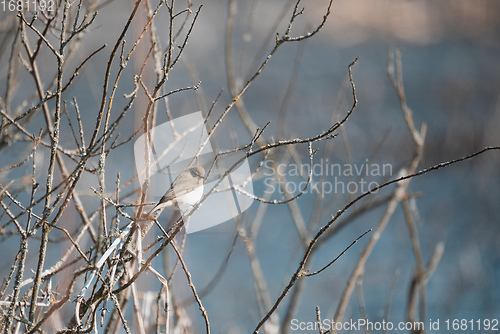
179, 187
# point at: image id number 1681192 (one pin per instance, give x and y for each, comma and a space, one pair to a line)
28, 5
472, 324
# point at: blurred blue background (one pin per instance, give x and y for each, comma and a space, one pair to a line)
450, 55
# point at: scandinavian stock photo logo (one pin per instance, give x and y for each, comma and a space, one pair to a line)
173, 146
326, 177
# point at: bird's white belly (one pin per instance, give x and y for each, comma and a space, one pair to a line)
190, 198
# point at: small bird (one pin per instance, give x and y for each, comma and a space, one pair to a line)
186, 190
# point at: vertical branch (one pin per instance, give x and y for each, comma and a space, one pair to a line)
107, 73
116, 220
102, 237
399, 193
419, 273
193, 288
11, 70
50, 174
23, 247
120, 313
262, 292
170, 51
137, 311
20, 259
318, 320
359, 269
